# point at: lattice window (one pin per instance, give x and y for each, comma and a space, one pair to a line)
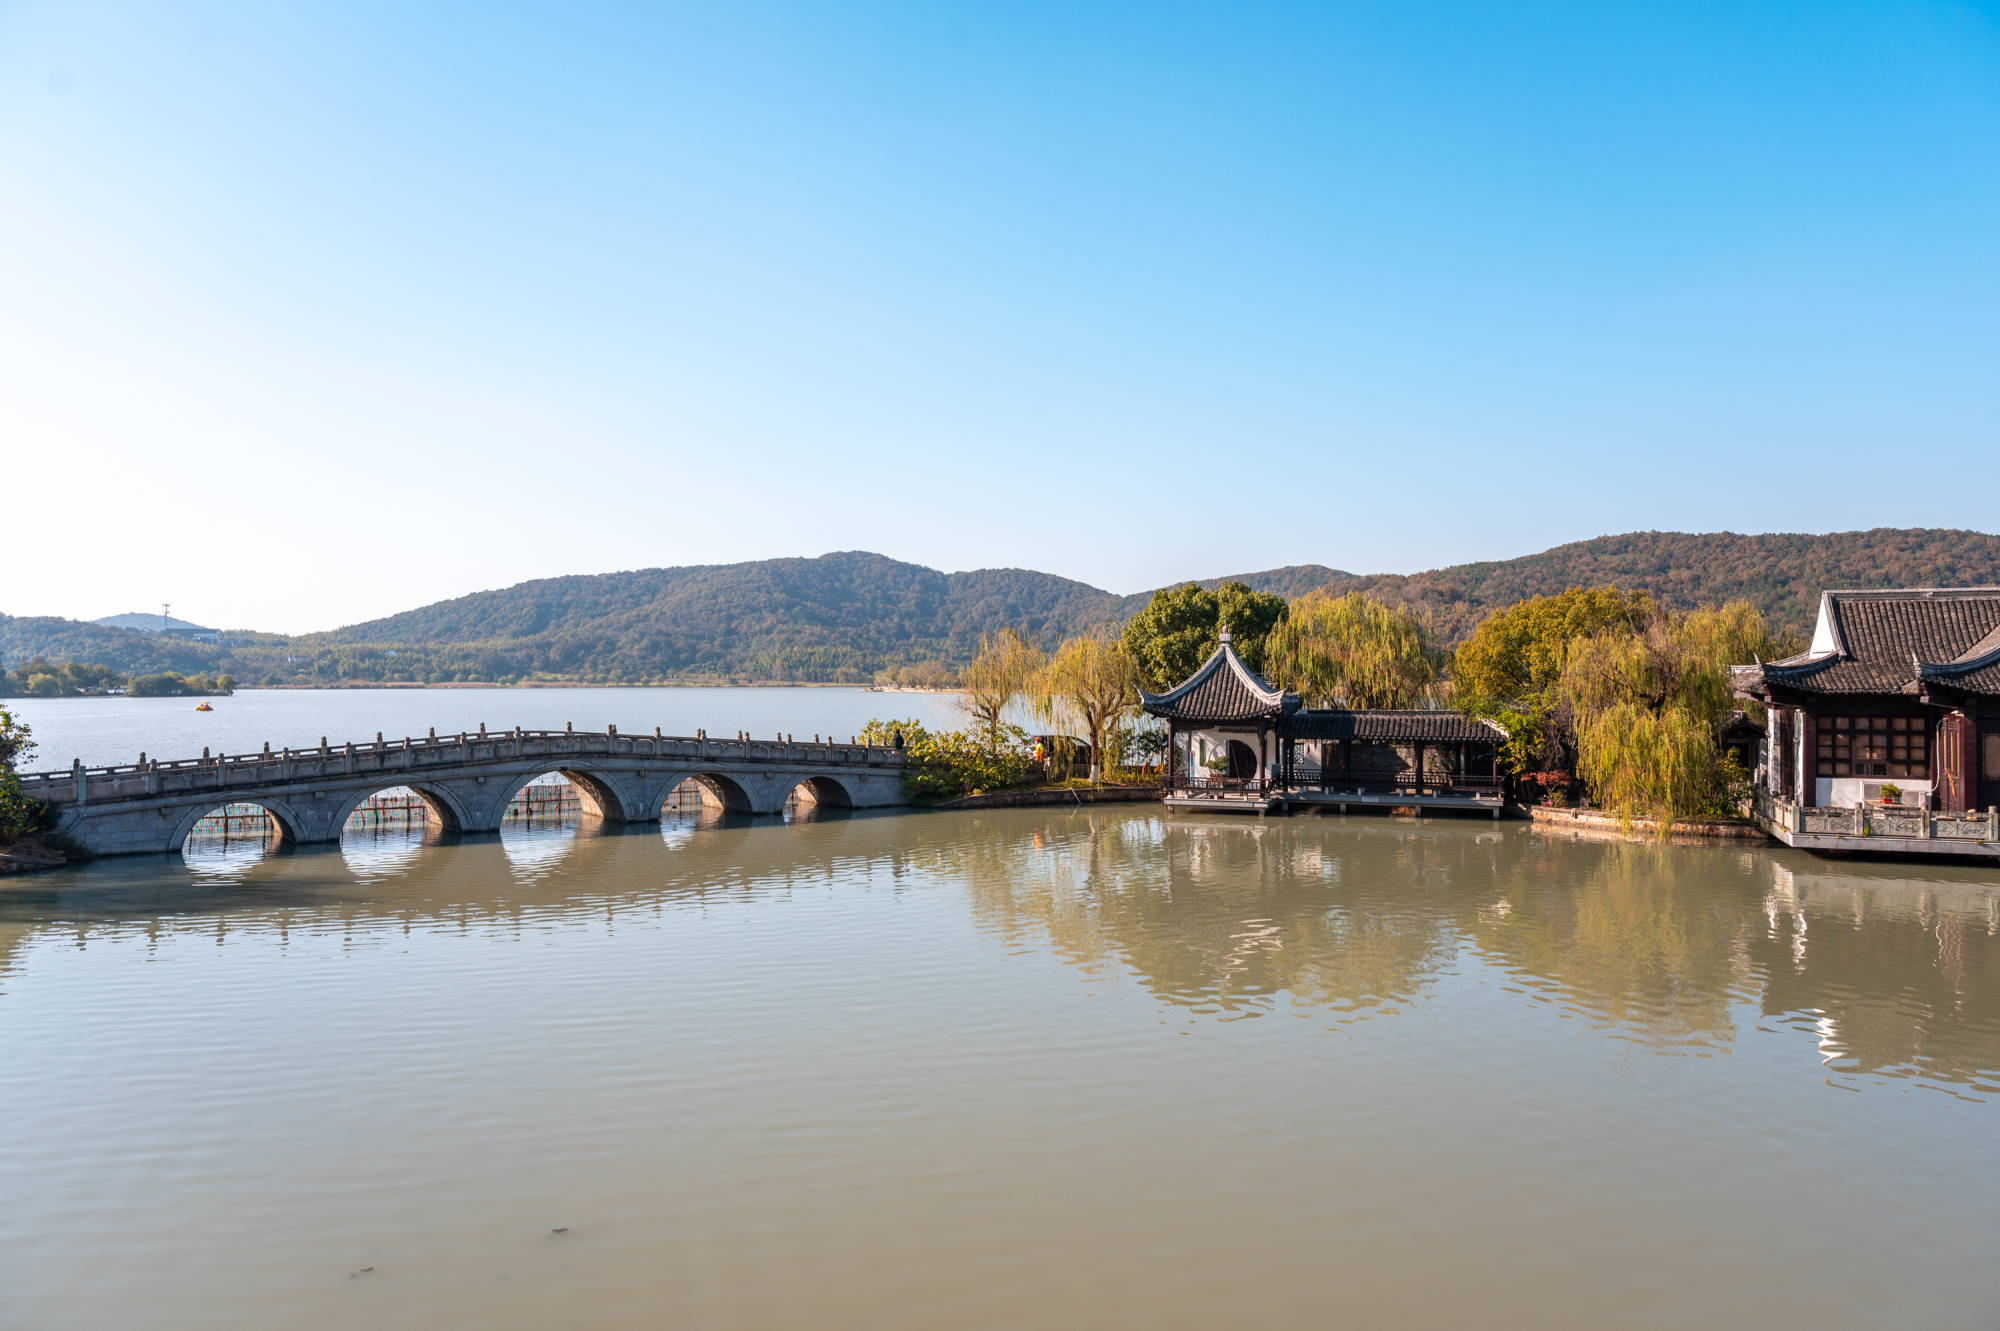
1892, 746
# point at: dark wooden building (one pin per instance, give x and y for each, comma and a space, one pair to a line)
1234, 737
1898, 689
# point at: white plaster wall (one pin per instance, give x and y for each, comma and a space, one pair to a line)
1844, 792
1204, 744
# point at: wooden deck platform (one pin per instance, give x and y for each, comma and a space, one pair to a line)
1341, 801
1891, 829
1264, 799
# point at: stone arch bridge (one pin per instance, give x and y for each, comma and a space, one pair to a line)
466, 781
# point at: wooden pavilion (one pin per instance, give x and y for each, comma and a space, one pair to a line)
1237, 741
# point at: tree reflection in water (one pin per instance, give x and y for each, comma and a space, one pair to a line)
1888, 970
1224, 917
1639, 935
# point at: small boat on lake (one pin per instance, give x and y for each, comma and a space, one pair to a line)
203, 707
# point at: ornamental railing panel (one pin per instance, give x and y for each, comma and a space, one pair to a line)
1897, 820
1827, 822
1964, 826
1901, 821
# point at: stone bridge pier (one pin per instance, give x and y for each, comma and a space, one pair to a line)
467, 781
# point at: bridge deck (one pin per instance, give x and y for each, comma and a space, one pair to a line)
466, 777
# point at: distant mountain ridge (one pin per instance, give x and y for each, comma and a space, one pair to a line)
148, 623
845, 616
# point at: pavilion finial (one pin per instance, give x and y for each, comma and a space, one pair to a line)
1222, 639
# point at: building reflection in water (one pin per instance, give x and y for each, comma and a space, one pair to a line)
1893, 967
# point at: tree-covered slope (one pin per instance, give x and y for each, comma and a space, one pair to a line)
1781, 573
128, 651
843, 617
840, 616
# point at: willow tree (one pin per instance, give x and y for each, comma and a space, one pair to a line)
1658, 762
1647, 703
1090, 684
1509, 668
1000, 673
1351, 651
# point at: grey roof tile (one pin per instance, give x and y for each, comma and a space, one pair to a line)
1409, 725
1224, 689
1886, 641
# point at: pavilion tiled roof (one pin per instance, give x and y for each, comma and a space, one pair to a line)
1223, 690
1401, 725
1893, 642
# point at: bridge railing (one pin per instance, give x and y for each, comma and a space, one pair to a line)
122, 780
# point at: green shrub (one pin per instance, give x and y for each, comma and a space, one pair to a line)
20, 815
949, 763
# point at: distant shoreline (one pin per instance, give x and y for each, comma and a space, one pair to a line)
487, 684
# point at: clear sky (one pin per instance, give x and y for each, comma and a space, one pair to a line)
313, 313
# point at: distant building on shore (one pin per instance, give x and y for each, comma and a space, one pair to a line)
1899, 688
1883, 736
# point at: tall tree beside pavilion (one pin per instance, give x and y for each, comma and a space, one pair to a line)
1508, 669
1647, 706
1090, 683
1351, 651
1000, 673
1179, 627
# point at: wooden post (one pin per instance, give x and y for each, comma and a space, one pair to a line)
1776, 751
1808, 759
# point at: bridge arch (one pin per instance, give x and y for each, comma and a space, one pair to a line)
439, 802
598, 796
721, 790
286, 829
819, 795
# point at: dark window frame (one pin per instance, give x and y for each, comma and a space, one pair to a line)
1881, 745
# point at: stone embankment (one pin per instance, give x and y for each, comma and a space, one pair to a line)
30, 854
1022, 799
1597, 824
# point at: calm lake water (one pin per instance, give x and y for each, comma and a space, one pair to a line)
103, 731
1001, 1069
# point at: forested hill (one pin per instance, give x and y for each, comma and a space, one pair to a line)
844, 617
126, 650
1781, 574
840, 616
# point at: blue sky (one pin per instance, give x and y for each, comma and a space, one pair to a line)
309, 314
